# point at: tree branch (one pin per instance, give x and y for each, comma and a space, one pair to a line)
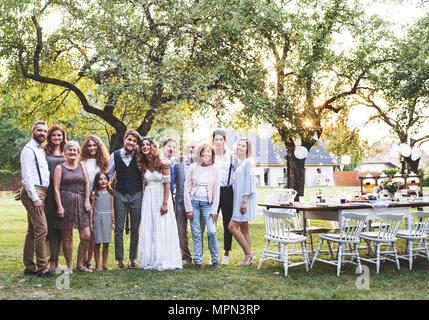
109, 118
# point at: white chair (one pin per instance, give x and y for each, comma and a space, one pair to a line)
298, 228
277, 229
386, 235
296, 220
351, 227
417, 231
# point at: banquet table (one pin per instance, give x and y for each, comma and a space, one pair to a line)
332, 212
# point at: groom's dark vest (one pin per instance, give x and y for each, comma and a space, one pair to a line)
129, 179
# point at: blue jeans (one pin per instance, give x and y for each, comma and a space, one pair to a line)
203, 209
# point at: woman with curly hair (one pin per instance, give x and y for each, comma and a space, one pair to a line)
159, 241
94, 154
54, 148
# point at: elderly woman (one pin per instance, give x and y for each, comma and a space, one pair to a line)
71, 191
201, 198
244, 206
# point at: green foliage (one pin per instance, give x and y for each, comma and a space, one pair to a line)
399, 89
391, 172
341, 140
12, 140
425, 173
389, 185
127, 63
10, 180
302, 75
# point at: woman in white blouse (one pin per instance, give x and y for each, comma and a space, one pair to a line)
96, 157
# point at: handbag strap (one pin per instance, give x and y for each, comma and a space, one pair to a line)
37, 166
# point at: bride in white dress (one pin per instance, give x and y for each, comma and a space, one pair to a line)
159, 240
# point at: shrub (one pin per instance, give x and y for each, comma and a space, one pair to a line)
391, 172
9, 180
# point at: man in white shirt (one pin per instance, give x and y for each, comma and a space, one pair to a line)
169, 146
35, 180
128, 196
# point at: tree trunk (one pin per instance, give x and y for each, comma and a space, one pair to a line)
411, 166
295, 172
116, 141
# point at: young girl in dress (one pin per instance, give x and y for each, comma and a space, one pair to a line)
102, 218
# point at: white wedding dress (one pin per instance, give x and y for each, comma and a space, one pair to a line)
159, 240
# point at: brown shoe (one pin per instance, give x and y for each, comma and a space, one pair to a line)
121, 265
132, 265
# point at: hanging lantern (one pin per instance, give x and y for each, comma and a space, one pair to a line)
405, 149
415, 154
265, 131
301, 152
346, 159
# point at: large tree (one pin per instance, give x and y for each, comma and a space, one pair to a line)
317, 55
127, 63
399, 94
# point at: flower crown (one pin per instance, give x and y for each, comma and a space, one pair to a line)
150, 139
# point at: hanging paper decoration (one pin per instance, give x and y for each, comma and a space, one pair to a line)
405, 149
415, 154
351, 124
346, 159
301, 152
265, 131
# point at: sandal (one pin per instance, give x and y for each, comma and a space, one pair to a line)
83, 269
249, 259
241, 263
89, 265
121, 266
132, 265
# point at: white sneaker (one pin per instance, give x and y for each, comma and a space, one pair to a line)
225, 260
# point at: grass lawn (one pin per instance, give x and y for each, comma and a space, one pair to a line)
228, 283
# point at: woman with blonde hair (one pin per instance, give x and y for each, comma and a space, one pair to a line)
71, 191
245, 205
201, 198
96, 158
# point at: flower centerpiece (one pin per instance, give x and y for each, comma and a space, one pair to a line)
390, 186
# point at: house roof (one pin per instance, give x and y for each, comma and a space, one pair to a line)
269, 153
383, 156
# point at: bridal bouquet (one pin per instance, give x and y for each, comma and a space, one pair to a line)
390, 186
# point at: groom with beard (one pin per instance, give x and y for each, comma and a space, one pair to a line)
127, 196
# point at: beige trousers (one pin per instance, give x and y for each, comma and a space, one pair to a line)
35, 238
